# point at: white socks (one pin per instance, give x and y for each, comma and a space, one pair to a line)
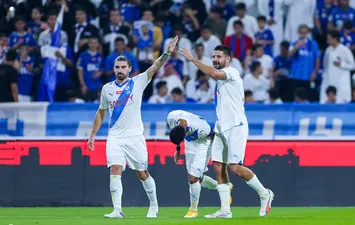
224, 194
195, 190
257, 186
150, 189
116, 192
209, 183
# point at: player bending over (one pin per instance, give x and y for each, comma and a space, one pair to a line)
228, 147
125, 141
198, 135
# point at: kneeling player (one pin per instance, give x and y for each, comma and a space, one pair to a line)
198, 135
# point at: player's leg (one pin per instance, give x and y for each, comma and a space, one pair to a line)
219, 158
116, 162
206, 181
237, 139
137, 157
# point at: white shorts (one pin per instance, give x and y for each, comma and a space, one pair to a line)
133, 150
229, 147
197, 156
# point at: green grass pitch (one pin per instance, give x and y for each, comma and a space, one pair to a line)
169, 216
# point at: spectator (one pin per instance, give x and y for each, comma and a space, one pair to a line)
215, 21
180, 66
21, 36
104, 10
208, 40
157, 33
301, 95
321, 22
273, 97
7, 22
90, 67
8, 78
191, 23
305, 61
34, 26
25, 75
162, 95
249, 22
130, 11
256, 83
4, 46
120, 49
239, 42
265, 60
177, 96
201, 89
274, 12
248, 97
264, 36
45, 37
332, 95
183, 41
347, 36
353, 95
338, 63
295, 19
144, 46
114, 29
72, 97
227, 9
340, 14
199, 49
81, 32
171, 77
281, 70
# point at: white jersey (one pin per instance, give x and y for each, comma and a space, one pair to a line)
198, 130
229, 100
124, 103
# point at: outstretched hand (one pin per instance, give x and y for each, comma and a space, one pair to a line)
172, 44
188, 55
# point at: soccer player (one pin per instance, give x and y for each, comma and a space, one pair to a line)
198, 135
231, 128
125, 142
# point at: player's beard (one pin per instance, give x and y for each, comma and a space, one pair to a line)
217, 65
121, 76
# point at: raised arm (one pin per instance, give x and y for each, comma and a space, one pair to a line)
206, 69
162, 59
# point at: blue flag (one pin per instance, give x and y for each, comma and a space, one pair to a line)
49, 75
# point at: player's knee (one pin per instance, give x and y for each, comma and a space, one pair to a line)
142, 175
237, 169
192, 179
116, 170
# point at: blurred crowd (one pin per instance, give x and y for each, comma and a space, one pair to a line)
285, 50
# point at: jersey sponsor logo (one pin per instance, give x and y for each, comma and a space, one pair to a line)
121, 101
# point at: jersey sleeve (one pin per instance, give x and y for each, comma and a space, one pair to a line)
103, 100
80, 62
230, 73
141, 80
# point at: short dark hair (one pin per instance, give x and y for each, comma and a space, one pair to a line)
205, 27
273, 93
238, 22
225, 49
254, 65
160, 84
11, 55
20, 18
177, 134
217, 10
285, 44
123, 59
331, 89
199, 45
301, 92
261, 18
248, 93
256, 46
334, 34
348, 24
52, 12
177, 91
241, 6
119, 39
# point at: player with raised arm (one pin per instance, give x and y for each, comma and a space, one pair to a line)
125, 141
198, 135
231, 130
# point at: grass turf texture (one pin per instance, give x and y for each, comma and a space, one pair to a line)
168, 216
